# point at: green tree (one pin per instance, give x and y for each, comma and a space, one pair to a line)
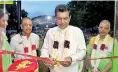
24, 13
13, 17
13, 22
90, 13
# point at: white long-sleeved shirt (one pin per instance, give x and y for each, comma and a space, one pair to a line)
76, 51
20, 42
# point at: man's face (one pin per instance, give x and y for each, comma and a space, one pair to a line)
4, 21
27, 26
62, 19
103, 29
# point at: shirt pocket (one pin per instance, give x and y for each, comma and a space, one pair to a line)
19, 48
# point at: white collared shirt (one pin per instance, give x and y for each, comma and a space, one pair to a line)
18, 44
76, 51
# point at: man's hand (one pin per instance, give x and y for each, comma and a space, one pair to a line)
49, 63
67, 62
13, 57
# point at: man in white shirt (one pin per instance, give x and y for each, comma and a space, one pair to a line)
64, 44
25, 42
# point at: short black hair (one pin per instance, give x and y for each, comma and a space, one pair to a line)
2, 12
62, 8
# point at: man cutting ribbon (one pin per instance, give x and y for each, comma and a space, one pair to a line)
64, 44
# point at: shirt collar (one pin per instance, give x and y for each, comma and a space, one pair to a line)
26, 36
63, 30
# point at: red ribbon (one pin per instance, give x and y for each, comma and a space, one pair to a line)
48, 60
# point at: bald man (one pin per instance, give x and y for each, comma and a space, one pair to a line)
25, 42
101, 46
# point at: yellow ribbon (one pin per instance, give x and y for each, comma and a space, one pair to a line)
57, 62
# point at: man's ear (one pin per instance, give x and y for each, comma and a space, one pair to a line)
21, 26
70, 16
109, 29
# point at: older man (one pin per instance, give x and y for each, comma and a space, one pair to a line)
64, 44
25, 42
101, 46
